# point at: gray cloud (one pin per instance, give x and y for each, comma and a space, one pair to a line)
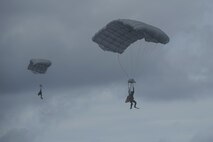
57, 31
203, 136
85, 87
100, 115
18, 135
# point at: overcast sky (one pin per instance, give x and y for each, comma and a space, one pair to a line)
85, 87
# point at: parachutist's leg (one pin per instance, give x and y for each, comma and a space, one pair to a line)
135, 104
39, 93
131, 105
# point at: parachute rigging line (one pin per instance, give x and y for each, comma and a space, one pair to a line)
122, 68
139, 51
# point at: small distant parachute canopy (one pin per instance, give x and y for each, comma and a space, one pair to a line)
131, 80
117, 35
39, 66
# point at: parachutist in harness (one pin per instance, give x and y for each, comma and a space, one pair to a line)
40, 92
125, 32
131, 91
39, 66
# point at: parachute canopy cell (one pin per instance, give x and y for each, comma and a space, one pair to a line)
39, 66
117, 35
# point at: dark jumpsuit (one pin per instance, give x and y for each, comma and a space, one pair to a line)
131, 98
40, 94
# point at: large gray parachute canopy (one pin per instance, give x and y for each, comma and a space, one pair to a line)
39, 66
117, 35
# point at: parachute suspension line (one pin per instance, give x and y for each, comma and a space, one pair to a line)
133, 56
122, 68
132, 63
135, 60
140, 49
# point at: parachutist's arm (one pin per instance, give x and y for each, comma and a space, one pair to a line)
133, 89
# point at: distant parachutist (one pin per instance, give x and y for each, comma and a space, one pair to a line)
39, 66
40, 92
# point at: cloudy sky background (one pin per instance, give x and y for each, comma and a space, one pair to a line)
85, 88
